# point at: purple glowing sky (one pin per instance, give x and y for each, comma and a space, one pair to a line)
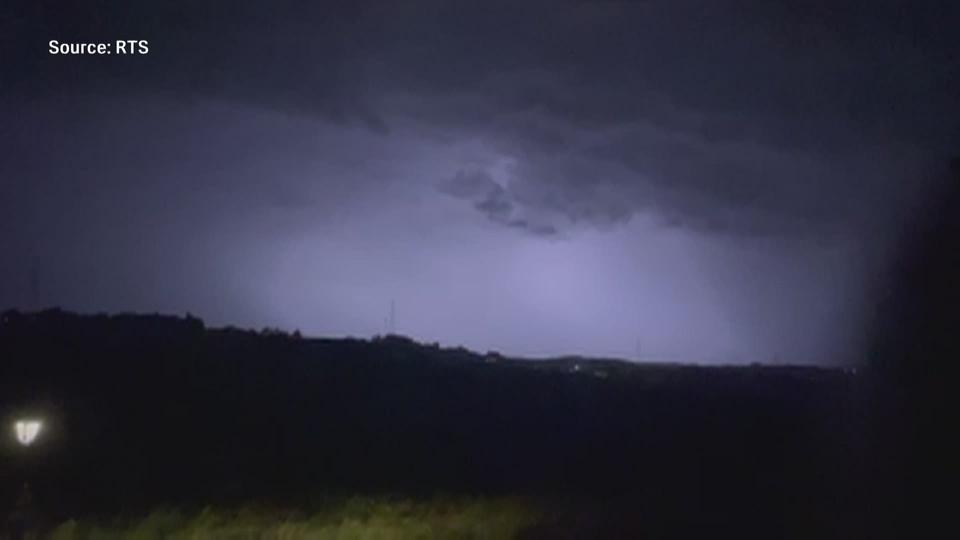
519, 180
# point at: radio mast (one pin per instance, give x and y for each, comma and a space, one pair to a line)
390, 321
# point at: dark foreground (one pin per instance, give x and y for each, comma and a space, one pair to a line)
147, 412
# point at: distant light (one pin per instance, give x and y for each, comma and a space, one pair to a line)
27, 431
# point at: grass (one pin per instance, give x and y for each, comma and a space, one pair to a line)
360, 518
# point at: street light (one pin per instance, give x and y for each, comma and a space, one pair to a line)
27, 430
22, 520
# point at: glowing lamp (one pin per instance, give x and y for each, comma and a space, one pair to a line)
27, 431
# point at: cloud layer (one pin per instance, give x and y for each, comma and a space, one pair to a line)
727, 170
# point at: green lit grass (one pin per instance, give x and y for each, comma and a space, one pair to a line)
354, 518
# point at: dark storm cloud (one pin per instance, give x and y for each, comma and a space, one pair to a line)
487, 196
738, 117
494, 201
296, 57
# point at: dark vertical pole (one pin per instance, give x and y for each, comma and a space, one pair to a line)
393, 320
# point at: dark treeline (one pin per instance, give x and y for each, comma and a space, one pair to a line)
148, 410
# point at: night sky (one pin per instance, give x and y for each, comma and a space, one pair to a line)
702, 181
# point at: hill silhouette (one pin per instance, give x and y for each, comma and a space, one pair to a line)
148, 409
